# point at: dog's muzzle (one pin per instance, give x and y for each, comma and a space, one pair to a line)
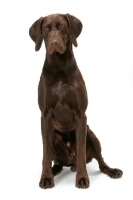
56, 44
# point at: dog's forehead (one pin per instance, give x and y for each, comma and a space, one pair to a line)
55, 18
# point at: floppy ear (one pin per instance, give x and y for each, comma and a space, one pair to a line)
75, 26
35, 33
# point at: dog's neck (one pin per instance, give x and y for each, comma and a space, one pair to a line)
57, 63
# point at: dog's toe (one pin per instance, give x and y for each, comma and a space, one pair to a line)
46, 183
115, 173
82, 183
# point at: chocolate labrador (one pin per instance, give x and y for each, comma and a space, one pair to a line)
62, 98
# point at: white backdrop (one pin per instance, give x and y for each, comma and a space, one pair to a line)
105, 58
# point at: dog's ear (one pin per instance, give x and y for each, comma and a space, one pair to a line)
75, 27
35, 33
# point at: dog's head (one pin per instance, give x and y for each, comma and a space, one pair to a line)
56, 30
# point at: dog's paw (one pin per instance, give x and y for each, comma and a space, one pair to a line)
46, 183
56, 169
115, 173
82, 183
73, 168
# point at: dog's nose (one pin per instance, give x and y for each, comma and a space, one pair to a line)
54, 42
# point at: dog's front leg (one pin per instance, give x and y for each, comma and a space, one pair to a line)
47, 180
82, 180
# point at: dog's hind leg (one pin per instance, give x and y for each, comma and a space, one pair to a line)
94, 151
56, 169
60, 153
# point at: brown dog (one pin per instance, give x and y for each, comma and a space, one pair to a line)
63, 101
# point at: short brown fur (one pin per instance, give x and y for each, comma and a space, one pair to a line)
62, 98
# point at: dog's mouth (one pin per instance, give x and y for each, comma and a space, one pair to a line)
56, 50
52, 51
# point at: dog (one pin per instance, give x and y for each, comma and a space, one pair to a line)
62, 99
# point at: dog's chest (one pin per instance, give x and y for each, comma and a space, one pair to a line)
63, 101
61, 82
62, 89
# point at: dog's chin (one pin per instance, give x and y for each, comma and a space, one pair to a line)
56, 51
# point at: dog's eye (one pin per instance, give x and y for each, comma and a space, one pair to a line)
61, 26
47, 29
